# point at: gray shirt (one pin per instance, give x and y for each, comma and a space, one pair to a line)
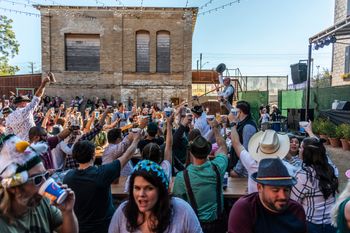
183, 219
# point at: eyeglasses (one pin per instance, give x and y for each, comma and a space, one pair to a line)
38, 179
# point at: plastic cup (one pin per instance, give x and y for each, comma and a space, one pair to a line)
53, 191
302, 125
167, 112
135, 130
210, 117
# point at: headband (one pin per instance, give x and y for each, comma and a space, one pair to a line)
154, 168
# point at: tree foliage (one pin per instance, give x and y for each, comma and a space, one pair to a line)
323, 79
8, 46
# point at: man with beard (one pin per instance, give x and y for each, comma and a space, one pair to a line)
270, 209
22, 209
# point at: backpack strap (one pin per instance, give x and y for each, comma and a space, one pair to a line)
189, 190
218, 190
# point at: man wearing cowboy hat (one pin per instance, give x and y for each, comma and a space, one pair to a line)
270, 209
21, 120
263, 144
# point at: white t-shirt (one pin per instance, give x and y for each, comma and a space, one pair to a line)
252, 166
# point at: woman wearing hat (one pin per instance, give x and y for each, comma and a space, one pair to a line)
150, 208
317, 186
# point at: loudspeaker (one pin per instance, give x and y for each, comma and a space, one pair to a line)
299, 72
343, 105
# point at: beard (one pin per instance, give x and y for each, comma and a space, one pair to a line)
278, 206
30, 202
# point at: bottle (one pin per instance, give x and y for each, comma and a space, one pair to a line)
225, 181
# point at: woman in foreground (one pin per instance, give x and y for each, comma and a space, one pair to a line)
150, 208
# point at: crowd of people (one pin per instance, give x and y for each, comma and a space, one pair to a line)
175, 185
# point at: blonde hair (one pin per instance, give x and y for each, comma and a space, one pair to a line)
335, 210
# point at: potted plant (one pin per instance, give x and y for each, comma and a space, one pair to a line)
323, 130
316, 126
346, 134
333, 134
341, 129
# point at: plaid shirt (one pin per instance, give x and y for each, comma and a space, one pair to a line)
70, 161
307, 192
114, 151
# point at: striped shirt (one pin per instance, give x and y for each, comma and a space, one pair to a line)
308, 193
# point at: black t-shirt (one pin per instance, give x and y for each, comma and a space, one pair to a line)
93, 199
144, 142
248, 215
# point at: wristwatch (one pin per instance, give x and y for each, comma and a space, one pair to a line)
232, 124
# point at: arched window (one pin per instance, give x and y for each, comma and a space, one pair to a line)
142, 51
163, 52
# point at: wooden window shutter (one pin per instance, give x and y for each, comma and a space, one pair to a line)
142, 51
347, 60
82, 52
163, 52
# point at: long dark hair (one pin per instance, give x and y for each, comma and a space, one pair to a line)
314, 155
161, 212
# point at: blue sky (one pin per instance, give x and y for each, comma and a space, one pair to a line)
258, 37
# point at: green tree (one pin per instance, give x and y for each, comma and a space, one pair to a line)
322, 79
8, 46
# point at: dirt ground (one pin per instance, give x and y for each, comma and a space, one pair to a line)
342, 159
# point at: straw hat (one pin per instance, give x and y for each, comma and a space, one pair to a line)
268, 144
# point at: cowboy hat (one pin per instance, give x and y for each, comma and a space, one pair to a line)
197, 109
21, 98
268, 144
272, 172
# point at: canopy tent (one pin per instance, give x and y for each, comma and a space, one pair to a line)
337, 32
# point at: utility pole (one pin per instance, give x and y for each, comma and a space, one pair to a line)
318, 75
31, 66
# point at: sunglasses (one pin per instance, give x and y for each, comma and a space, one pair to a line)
38, 179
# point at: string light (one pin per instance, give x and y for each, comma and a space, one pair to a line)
218, 8
205, 4
16, 3
186, 3
19, 12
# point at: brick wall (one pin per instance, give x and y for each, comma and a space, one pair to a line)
117, 28
16, 83
340, 13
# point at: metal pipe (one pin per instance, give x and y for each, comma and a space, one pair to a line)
308, 82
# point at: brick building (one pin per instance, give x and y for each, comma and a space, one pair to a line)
341, 51
118, 52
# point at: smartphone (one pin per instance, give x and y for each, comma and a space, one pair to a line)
96, 114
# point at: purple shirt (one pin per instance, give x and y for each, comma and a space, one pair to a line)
248, 215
